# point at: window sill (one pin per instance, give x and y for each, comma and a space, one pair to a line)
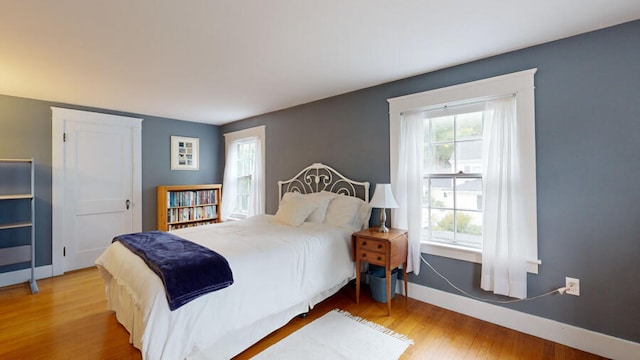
465, 254
237, 216
234, 218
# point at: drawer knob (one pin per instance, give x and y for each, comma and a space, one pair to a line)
364, 255
379, 246
364, 243
379, 258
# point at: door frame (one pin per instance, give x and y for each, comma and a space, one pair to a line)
59, 118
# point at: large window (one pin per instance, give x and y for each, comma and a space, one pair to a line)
243, 186
447, 168
452, 182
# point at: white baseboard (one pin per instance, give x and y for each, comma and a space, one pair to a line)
569, 335
20, 276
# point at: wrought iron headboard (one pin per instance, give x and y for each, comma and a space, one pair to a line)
320, 177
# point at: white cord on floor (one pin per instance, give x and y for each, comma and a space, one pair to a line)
560, 290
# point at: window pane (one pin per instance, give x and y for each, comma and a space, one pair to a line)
469, 229
426, 128
469, 126
246, 184
469, 157
442, 225
439, 158
469, 193
246, 152
441, 192
243, 204
426, 195
245, 161
442, 129
426, 212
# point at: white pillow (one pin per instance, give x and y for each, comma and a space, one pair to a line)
364, 216
294, 211
347, 211
322, 199
319, 200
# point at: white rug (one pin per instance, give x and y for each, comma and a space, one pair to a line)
339, 335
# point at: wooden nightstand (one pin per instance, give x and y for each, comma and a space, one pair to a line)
383, 249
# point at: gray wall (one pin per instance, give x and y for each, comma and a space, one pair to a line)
25, 131
156, 169
587, 126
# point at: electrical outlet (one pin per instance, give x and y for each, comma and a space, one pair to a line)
573, 286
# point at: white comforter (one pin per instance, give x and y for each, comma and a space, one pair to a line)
274, 267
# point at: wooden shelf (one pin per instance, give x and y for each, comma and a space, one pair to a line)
16, 225
16, 160
16, 197
182, 206
15, 255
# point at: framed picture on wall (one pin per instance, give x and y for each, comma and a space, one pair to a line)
185, 153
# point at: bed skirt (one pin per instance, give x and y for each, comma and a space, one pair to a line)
128, 313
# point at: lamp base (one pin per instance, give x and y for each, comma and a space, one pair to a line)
383, 221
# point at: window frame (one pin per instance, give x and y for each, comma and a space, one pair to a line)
519, 83
237, 137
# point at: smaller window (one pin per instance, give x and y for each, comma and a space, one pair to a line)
243, 189
246, 151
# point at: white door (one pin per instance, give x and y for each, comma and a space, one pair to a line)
100, 199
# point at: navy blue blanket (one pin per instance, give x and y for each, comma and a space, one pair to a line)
186, 269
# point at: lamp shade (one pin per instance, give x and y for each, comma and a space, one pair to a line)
383, 197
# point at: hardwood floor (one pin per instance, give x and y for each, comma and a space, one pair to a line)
69, 319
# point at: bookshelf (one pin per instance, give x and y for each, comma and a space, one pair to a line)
15, 254
181, 206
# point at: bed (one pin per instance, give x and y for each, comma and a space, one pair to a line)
282, 266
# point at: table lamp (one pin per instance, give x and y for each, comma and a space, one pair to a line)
383, 199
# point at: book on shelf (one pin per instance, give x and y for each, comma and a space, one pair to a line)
191, 198
201, 212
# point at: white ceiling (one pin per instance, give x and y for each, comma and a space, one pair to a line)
216, 61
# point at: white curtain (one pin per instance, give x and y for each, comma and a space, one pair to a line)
229, 182
256, 197
507, 224
408, 186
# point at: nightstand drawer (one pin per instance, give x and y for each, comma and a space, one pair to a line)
373, 257
372, 245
